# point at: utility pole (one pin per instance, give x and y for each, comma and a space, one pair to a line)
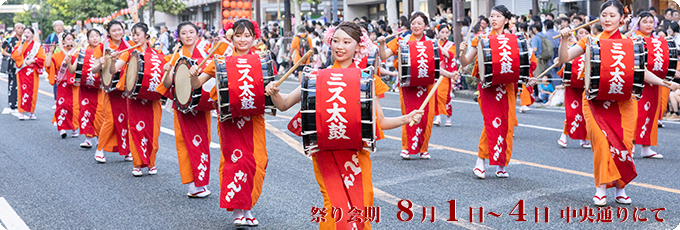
335, 10
458, 16
286, 19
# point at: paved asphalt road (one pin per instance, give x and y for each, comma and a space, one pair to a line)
51, 183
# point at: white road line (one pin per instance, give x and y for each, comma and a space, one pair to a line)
540, 127
9, 217
172, 132
393, 109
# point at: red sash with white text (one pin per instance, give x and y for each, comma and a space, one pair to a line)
413, 98
576, 67
646, 119
657, 56
246, 86
141, 123
120, 122
343, 180
88, 108
616, 74
196, 132
236, 138
505, 58
64, 110
338, 116
576, 124
89, 79
295, 124
608, 117
495, 111
421, 54
153, 72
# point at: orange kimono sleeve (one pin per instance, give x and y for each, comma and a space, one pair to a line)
380, 86
52, 71
393, 46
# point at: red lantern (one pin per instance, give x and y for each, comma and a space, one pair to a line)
225, 4
247, 13
239, 13
225, 14
233, 13
239, 4
141, 2
233, 4
224, 22
246, 5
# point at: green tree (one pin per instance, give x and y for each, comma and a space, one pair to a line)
8, 18
165, 6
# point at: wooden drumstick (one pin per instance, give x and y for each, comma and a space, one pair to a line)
429, 96
547, 70
125, 50
174, 54
467, 36
290, 71
210, 55
580, 27
393, 35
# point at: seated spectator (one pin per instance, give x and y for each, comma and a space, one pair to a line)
545, 91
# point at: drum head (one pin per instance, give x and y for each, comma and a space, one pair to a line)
586, 65
107, 77
480, 59
131, 73
182, 82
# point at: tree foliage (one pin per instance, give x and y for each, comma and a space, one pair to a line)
71, 11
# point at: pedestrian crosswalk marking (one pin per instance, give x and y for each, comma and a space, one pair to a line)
9, 217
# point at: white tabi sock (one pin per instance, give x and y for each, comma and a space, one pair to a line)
192, 188
500, 168
647, 151
437, 119
563, 138
448, 119
480, 163
620, 192
601, 190
238, 213
248, 214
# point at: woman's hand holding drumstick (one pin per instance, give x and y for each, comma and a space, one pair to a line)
427, 99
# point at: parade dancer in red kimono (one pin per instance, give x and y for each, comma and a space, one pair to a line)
415, 139
575, 124
654, 97
30, 58
497, 102
113, 134
244, 159
346, 43
611, 123
91, 111
192, 129
144, 124
443, 97
66, 113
